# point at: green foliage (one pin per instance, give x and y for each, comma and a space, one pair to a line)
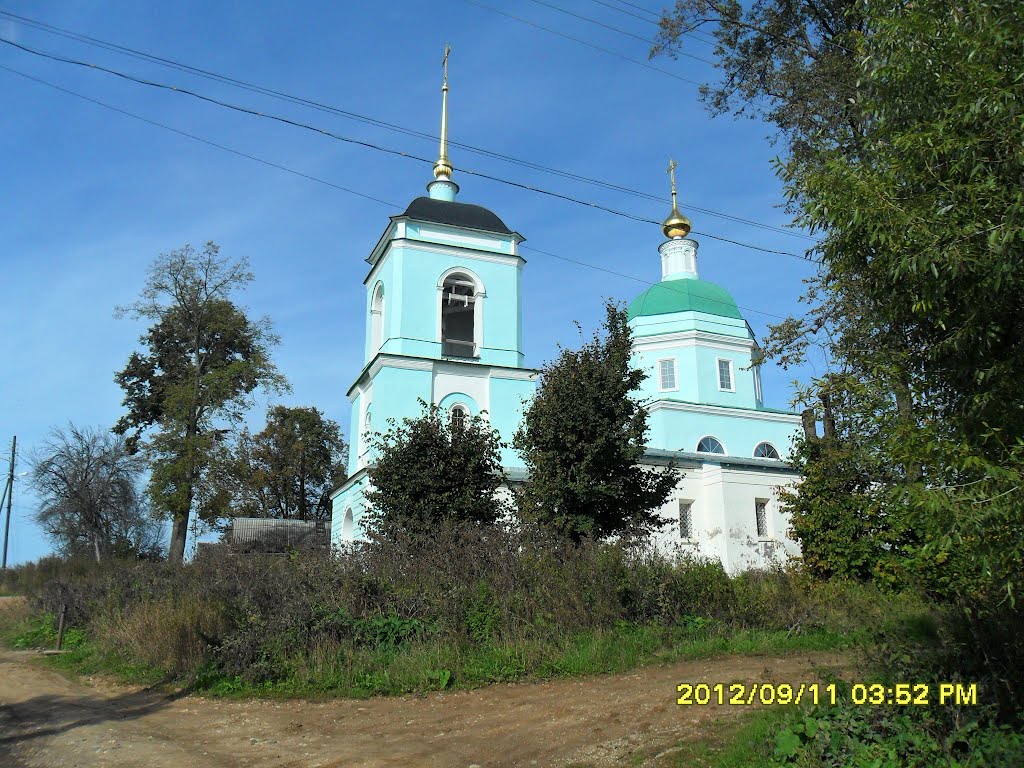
482, 604
482, 616
582, 438
844, 528
389, 630
40, 632
287, 470
933, 205
204, 358
427, 471
850, 736
792, 64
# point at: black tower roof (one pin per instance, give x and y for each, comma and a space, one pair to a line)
456, 215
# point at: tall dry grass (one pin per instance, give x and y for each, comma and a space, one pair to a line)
503, 598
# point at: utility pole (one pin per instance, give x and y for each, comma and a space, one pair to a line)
302, 478
10, 496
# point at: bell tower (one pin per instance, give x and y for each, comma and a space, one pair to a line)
443, 313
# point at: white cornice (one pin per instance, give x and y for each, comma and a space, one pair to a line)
689, 339
399, 361
724, 410
519, 374
385, 360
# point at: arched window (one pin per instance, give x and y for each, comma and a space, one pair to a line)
458, 316
710, 444
377, 319
347, 525
365, 436
457, 417
765, 451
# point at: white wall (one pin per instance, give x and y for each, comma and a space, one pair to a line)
724, 517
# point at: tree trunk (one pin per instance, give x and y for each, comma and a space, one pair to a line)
96, 545
179, 530
809, 422
828, 419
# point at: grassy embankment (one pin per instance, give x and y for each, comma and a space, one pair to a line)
464, 612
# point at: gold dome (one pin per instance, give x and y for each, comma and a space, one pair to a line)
676, 225
443, 168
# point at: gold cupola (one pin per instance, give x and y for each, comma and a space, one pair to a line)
676, 226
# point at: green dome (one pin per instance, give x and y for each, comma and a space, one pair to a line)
684, 296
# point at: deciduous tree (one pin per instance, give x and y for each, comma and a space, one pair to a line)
89, 497
428, 470
286, 470
582, 438
203, 359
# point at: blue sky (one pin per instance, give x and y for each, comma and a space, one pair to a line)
89, 196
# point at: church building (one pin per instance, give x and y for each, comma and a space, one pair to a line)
444, 325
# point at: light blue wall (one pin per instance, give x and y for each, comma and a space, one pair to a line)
507, 396
697, 376
396, 395
354, 443
351, 498
385, 275
410, 275
681, 431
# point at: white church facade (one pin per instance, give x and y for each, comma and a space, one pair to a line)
443, 316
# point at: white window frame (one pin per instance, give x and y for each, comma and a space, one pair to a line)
364, 435
467, 414
732, 374
766, 535
680, 505
479, 294
675, 375
709, 453
778, 455
377, 319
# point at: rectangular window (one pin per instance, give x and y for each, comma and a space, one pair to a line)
686, 520
667, 374
757, 384
725, 375
761, 514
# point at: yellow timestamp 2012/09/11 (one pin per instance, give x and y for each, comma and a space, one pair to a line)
900, 694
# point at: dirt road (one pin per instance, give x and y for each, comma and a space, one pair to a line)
47, 720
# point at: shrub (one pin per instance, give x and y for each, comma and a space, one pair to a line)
490, 601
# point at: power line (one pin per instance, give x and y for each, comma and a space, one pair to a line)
639, 8
644, 281
648, 19
192, 136
610, 52
310, 177
613, 29
370, 145
656, 21
794, 41
216, 77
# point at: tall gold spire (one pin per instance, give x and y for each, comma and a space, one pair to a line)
443, 168
676, 225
